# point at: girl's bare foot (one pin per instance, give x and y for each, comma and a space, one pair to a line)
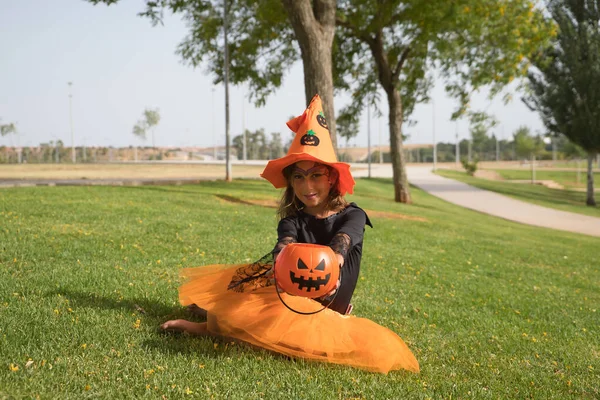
181, 325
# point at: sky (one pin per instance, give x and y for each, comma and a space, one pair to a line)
119, 64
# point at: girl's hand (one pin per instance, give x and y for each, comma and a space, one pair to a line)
328, 296
270, 275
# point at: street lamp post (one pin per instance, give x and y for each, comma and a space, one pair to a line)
213, 126
245, 148
433, 131
457, 155
497, 149
73, 157
380, 150
226, 64
84, 151
369, 137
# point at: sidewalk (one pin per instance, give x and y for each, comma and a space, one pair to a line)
492, 203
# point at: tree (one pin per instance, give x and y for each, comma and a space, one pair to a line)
347, 126
264, 35
397, 44
8, 129
257, 147
564, 80
151, 118
528, 146
314, 28
481, 143
276, 146
149, 121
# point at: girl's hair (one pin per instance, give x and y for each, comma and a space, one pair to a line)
290, 205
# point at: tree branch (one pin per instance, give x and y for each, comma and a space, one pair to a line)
361, 35
398, 68
300, 10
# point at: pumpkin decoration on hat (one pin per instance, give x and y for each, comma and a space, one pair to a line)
307, 270
311, 143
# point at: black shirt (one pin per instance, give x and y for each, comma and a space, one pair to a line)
351, 221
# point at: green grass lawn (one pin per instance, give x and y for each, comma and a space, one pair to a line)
492, 309
566, 178
565, 200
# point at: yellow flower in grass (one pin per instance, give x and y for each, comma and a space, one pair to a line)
13, 367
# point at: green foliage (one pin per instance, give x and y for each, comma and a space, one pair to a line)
571, 150
276, 146
258, 147
139, 130
474, 43
564, 81
88, 273
469, 166
151, 118
7, 129
348, 124
525, 144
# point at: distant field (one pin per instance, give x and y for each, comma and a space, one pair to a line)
166, 170
120, 171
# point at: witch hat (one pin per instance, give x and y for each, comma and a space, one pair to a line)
311, 143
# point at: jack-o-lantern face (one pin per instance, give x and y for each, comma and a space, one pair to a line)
308, 270
310, 139
322, 121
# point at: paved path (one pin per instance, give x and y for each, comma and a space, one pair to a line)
492, 203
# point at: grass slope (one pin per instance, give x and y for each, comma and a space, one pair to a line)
566, 178
565, 200
492, 309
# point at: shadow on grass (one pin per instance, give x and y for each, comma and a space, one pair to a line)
238, 185
146, 307
237, 200
153, 312
162, 189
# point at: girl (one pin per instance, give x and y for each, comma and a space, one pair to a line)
240, 302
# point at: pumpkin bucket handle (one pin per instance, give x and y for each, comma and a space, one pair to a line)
302, 312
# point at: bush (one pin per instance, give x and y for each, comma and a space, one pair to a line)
470, 167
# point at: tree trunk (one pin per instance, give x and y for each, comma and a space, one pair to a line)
228, 175
388, 81
590, 181
314, 27
401, 188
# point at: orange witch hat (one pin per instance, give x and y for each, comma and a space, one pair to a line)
311, 143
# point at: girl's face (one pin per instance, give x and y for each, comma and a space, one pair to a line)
311, 184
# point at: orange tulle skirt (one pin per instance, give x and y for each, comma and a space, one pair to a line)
258, 317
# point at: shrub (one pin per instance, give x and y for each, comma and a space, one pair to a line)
470, 167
